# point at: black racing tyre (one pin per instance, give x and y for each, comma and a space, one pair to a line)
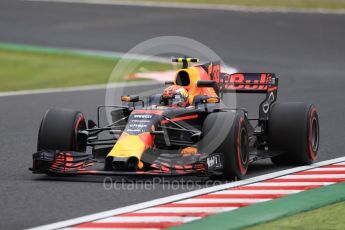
294, 127
227, 132
59, 129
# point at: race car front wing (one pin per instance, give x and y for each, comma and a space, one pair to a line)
78, 163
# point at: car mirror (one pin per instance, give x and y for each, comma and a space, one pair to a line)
211, 100
130, 98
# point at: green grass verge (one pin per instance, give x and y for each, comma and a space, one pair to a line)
294, 4
328, 217
27, 67
265, 212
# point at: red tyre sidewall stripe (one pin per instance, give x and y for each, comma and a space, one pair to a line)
74, 141
312, 154
242, 167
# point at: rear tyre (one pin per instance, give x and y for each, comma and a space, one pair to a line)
228, 131
294, 127
59, 131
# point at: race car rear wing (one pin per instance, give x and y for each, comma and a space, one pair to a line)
266, 83
241, 82
248, 82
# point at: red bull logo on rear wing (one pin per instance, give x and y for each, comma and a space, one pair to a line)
266, 83
248, 82
241, 82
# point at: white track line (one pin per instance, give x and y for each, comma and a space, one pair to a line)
199, 6
147, 205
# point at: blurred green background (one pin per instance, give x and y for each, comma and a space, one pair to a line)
26, 67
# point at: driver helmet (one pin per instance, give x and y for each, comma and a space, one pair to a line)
175, 96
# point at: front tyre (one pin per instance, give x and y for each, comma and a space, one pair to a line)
229, 129
294, 127
59, 131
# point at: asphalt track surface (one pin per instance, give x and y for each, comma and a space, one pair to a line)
307, 51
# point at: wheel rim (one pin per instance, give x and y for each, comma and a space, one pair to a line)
77, 143
314, 134
244, 147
